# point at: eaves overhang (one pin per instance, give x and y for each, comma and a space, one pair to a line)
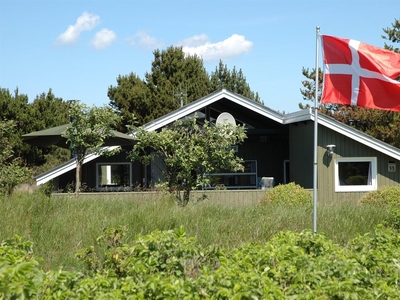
208, 100
170, 118
343, 129
66, 167
359, 136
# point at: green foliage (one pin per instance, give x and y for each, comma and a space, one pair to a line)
58, 225
88, 129
47, 188
393, 220
19, 271
174, 76
162, 252
387, 195
392, 34
170, 265
43, 112
288, 194
190, 151
233, 80
12, 171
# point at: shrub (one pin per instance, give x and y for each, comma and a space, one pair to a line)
47, 188
170, 265
291, 194
19, 271
393, 221
387, 195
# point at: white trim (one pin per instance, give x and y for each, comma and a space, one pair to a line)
357, 188
68, 166
203, 102
359, 136
300, 116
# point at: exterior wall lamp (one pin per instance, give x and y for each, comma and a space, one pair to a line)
329, 150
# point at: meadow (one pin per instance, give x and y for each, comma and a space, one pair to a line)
60, 226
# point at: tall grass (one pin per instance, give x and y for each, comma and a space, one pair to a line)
59, 226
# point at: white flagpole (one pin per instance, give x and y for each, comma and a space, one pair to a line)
315, 181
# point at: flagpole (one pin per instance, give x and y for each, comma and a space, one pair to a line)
315, 179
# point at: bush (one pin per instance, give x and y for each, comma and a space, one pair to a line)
387, 195
170, 265
47, 188
291, 194
393, 221
19, 271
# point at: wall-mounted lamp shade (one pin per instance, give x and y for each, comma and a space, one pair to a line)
329, 149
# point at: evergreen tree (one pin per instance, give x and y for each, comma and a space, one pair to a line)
44, 112
233, 80
131, 97
174, 75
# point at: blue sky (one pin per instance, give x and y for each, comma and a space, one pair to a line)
78, 48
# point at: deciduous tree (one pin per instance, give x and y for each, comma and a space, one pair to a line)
190, 150
89, 127
12, 170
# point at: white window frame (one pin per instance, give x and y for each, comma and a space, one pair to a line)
113, 188
356, 188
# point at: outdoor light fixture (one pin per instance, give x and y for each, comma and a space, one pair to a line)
329, 150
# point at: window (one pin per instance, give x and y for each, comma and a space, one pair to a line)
113, 176
355, 174
239, 180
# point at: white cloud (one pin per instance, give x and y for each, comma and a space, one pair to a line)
103, 39
145, 41
194, 41
231, 47
85, 22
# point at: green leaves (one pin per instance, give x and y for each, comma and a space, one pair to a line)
288, 194
12, 171
173, 75
190, 151
89, 127
170, 265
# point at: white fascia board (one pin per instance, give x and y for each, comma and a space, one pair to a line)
203, 102
256, 107
66, 167
299, 116
345, 130
359, 136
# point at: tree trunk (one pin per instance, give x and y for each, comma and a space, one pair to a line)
186, 196
78, 177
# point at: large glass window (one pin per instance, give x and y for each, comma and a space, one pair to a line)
114, 176
355, 174
239, 180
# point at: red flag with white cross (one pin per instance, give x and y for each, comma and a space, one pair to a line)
359, 74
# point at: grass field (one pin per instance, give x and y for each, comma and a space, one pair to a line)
59, 226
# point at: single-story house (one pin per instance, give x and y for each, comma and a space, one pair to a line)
279, 149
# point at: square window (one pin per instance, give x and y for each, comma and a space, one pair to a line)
113, 176
355, 174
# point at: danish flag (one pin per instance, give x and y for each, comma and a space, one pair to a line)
359, 74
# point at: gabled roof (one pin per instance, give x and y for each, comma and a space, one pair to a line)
345, 130
300, 116
212, 98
